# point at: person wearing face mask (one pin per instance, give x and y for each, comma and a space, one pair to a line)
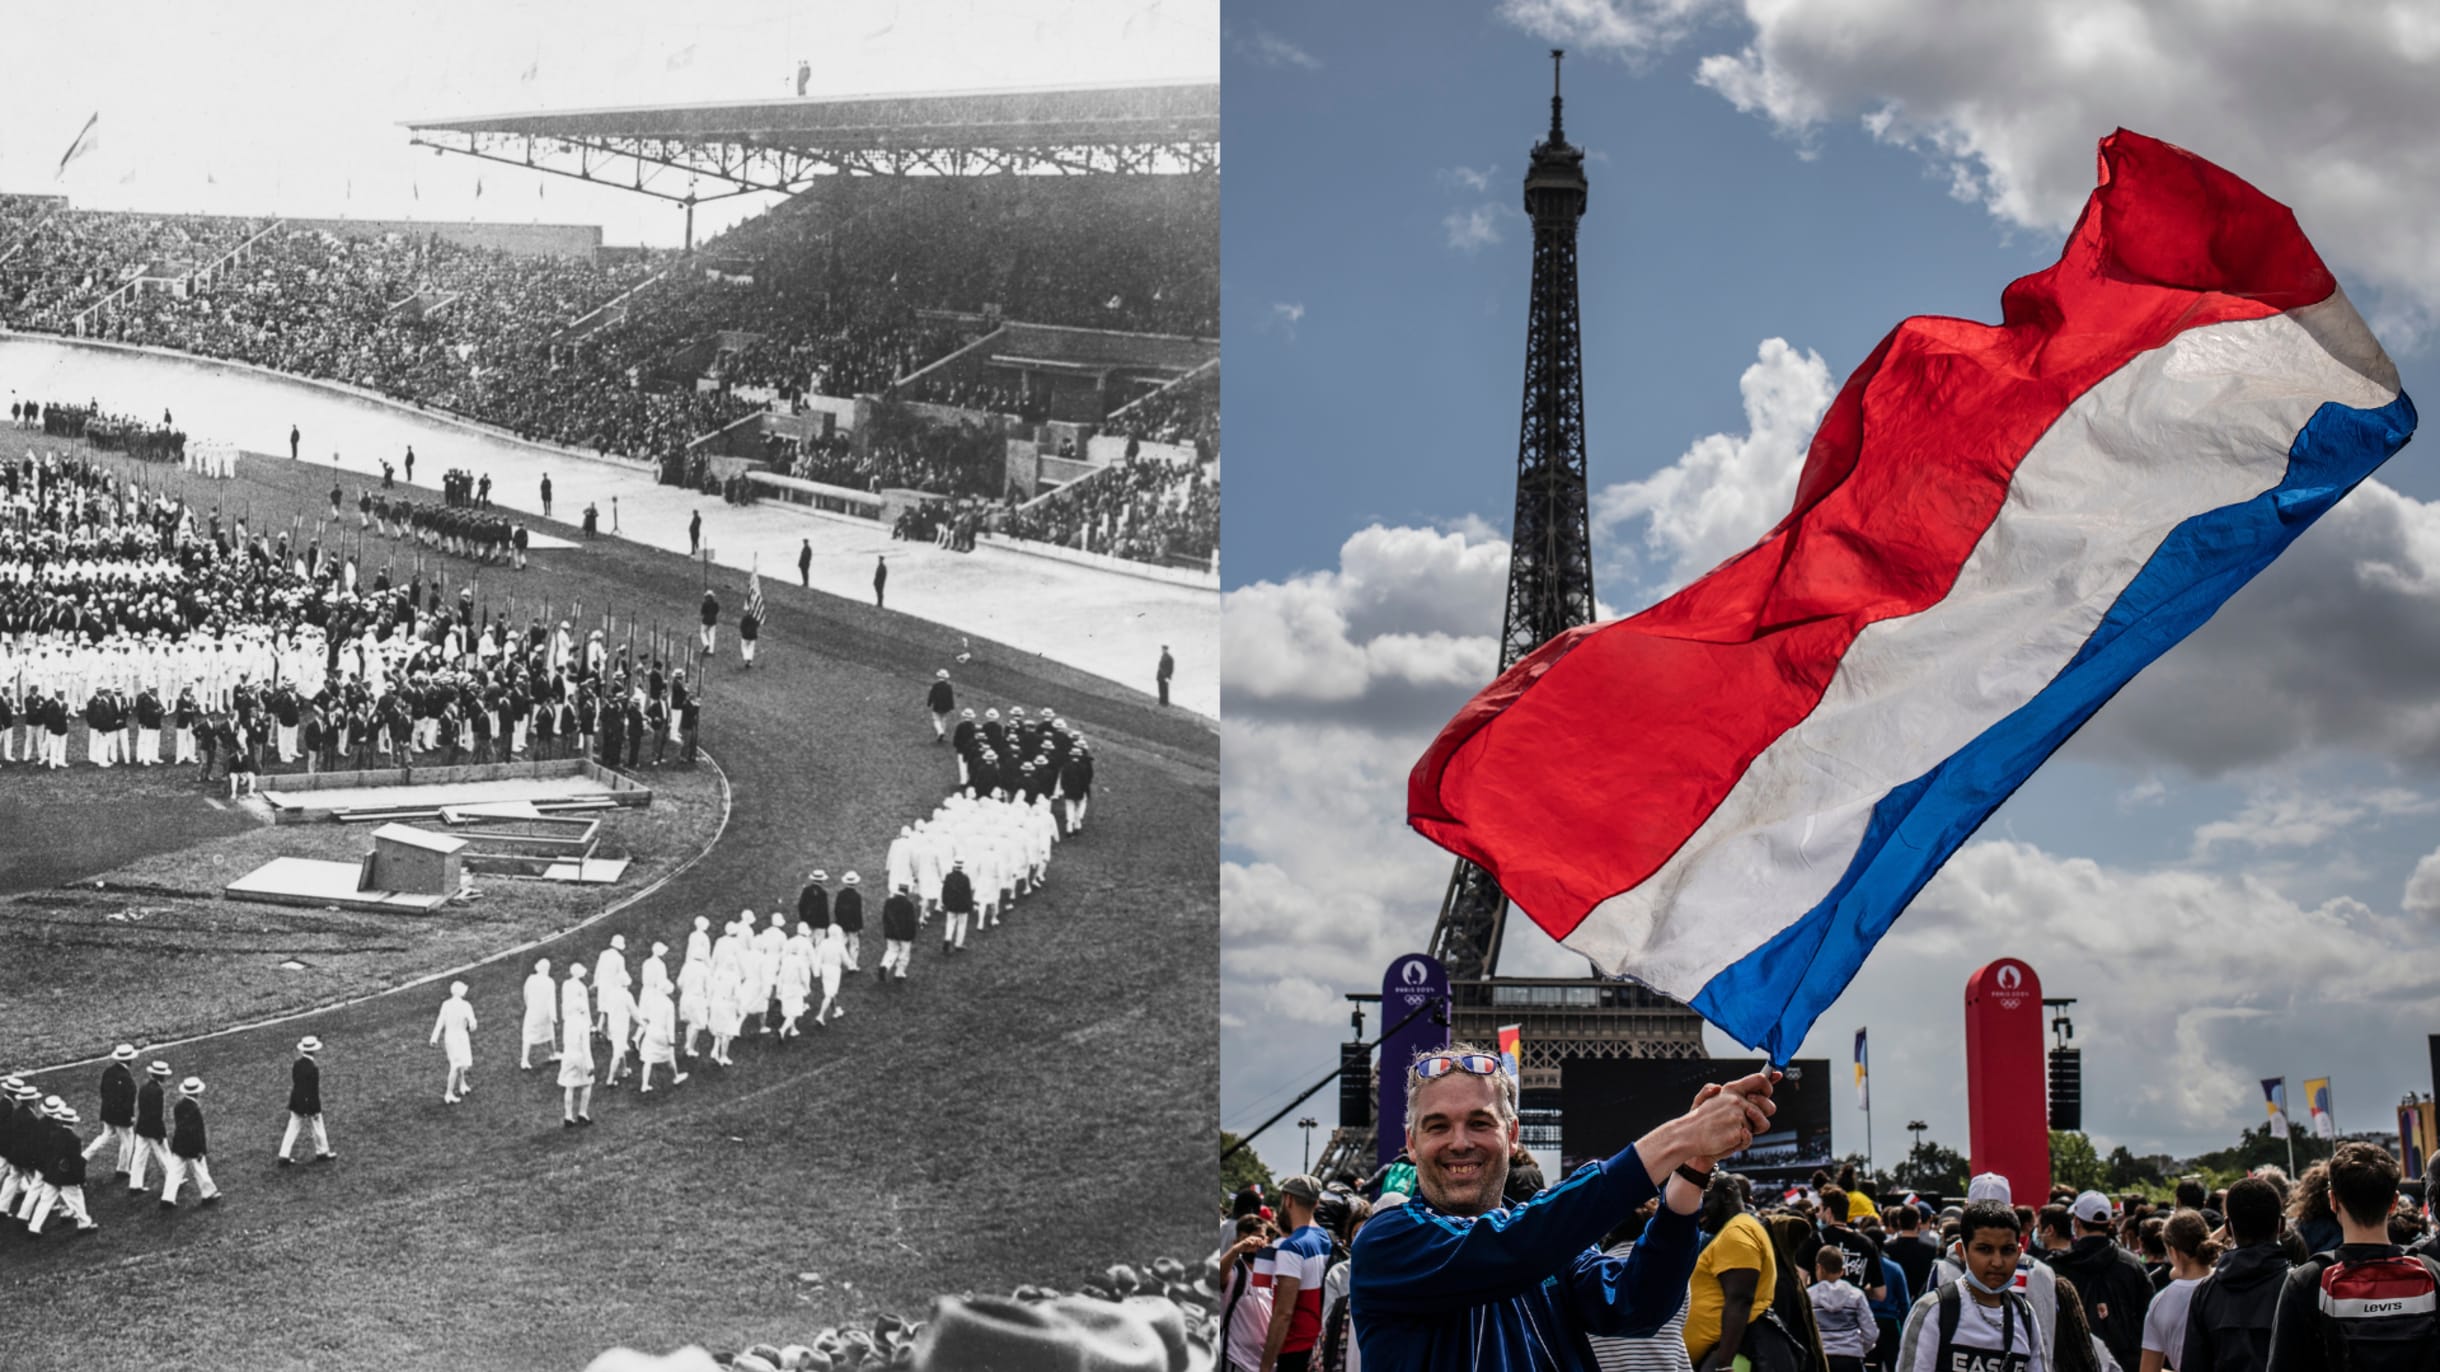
1980, 1322
1455, 1279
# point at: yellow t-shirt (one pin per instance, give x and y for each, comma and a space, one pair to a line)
1859, 1205
1743, 1246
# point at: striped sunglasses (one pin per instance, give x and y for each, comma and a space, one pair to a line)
1442, 1064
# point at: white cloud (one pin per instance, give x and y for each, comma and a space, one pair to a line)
1474, 229
2423, 888
2006, 102
1272, 50
1285, 315
1467, 178
2149, 791
2288, 817
1727, 490
2335, 646
1614, 28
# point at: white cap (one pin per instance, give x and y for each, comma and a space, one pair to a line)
1989, 1186
2092, 1207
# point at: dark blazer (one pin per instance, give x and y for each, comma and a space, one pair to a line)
186, 1140
813, 906
305, 1087
118, 1095
148, 1110
898, 917
63, 1163
848, 910
957, 892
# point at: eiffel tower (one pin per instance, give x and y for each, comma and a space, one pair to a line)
1550, 588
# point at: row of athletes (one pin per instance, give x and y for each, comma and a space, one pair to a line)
43, 1163
467, 716
461, 531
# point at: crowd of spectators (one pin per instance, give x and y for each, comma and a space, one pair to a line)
1140, 509
1185, 413
845, 289
901, 448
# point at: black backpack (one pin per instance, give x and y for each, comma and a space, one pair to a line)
2380, 1314
2240, 1330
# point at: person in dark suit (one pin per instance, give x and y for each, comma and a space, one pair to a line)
711, 622
1076, 784
804, 564
1167, 669
61, 1166
881, 579
847, 915
900, 922
749, 629
694, 534
813, 903
152, 1135
305, 1104
941, 700
189, 1151
956, 901
118, 1113
546, 495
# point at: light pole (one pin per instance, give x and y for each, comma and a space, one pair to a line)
1914, 1156
1307, 1124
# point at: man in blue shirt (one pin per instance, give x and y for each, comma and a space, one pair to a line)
1455, 1280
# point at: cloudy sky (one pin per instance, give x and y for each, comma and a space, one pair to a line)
2236, 868
296, 108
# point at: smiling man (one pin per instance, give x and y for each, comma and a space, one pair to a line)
1454, 1279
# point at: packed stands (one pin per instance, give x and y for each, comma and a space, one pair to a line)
1140, 509
1185, 412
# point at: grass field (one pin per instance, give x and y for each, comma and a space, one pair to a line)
1028, 1112
117, 928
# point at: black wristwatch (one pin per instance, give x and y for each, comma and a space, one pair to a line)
1700, 1181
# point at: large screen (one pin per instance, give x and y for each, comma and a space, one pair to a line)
1608, 1103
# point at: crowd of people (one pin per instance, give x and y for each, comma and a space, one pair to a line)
176, 637
1186, 413
1023, 787
139, 438
1461, 1253
843, 290
1142, 509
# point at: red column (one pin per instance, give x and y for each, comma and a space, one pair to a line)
2007, 1090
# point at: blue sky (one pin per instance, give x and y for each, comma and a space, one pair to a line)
1812, 180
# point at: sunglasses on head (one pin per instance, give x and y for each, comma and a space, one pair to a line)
1442, 1064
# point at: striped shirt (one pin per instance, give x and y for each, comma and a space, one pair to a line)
1665, 1351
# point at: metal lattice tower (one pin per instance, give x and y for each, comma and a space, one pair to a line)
1550, 571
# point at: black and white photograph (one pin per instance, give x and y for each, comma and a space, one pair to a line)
609, 685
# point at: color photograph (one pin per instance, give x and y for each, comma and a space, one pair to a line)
1857, 566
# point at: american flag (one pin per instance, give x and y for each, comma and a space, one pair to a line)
754, 600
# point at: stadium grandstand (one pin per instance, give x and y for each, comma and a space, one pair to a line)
964, 303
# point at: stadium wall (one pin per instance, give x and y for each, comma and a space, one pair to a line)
582, 241
432, 412
1206, 579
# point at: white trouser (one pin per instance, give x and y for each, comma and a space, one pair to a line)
123, 1135
288, 743
296, 1123
894, 953
148, 746
940, 725
176, 1170
848, 944
956, 932
70, 1199
186, 745
12, 1184
97, 747
154, 1151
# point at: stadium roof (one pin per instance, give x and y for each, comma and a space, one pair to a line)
780, 145
1163, 112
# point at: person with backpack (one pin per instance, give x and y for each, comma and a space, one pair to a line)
2365, 1306
2191, 1255
2115, 1290
1841, 1312
2228, 1318
1979, 1322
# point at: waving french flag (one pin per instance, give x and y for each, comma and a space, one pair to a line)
1732, 795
